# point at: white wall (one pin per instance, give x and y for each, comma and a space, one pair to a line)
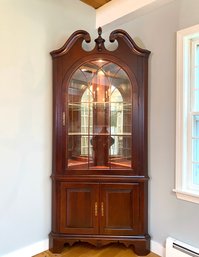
156, 31
29, 30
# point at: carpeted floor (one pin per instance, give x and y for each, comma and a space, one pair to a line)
86, 250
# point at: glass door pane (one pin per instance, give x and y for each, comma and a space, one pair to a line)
121, 115
79, 120
99, 117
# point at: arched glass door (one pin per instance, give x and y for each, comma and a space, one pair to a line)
99, 117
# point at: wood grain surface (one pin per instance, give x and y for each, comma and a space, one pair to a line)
86, 250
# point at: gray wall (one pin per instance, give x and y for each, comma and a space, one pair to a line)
156, 31
29, 30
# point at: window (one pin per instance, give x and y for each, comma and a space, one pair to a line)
187, 119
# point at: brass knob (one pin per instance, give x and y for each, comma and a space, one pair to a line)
102, 209
95, 209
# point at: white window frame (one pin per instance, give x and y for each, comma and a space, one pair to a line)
186, 40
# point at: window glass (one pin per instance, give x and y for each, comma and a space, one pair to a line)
197, 55
195, 123
196, 174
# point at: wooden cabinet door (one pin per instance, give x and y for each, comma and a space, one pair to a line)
120, 211
79, 208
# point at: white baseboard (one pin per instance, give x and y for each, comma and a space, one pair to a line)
30, 250
42, 246
157, 248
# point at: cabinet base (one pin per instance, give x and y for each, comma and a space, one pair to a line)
140, 244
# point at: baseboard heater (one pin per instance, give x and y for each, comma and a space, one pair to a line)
175, 248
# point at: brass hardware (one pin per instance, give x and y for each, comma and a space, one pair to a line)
95, 209
102, 209
64, 119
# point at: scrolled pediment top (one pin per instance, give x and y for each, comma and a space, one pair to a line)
79, 34
121, 34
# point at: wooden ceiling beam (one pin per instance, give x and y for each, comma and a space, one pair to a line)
95, 3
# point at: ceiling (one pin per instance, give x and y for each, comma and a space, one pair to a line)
95, 3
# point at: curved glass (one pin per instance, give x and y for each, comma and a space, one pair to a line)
99, 117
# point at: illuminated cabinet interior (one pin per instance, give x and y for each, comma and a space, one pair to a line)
99, 173
99, 117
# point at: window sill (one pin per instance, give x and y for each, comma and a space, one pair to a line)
190, 196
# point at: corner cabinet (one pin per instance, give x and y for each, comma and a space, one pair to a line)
99, 174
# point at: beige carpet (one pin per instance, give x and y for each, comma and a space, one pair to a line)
86, 250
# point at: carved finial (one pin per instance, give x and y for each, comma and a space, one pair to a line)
99, 31
99, 41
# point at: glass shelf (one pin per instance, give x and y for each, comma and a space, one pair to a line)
103, 102
98, 134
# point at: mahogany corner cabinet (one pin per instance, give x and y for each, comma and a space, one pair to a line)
99, 178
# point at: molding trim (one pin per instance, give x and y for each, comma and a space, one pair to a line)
42, 246
184, 188
117, 12
157, 248
30, 250
187, 196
